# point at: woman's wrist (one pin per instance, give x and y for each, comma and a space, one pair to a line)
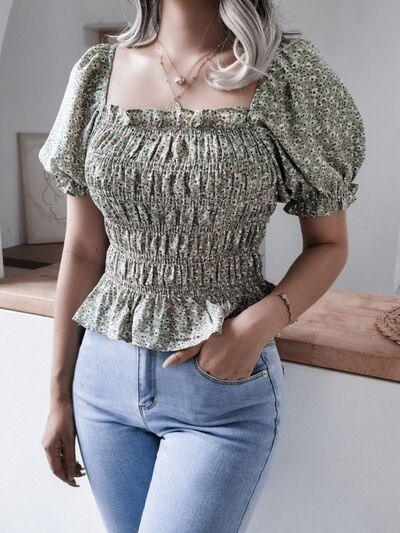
60, 394
267, 317
57, 403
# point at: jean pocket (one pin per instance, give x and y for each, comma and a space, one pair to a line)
260, 370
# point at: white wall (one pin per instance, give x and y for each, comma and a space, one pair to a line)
5, 7
336, 468
359, 39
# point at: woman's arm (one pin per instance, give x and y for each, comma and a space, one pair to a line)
325, 252
233, 354
82, 264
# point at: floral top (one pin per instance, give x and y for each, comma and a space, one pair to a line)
186, 194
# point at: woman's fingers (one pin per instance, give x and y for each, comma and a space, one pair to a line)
54, 458
58, 442
182, 355
69, 459
79, 470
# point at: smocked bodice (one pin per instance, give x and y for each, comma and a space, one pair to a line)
186, 195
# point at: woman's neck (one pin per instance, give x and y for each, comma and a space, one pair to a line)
190, 28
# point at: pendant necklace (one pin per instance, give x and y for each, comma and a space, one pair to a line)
182, 81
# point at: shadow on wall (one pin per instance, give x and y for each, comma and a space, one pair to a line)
5, 8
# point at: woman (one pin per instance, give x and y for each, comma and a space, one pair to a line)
174, 146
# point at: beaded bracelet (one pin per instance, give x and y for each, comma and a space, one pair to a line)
287, 303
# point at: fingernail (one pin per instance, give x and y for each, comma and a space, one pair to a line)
170, 359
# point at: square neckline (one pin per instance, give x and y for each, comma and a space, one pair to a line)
157, 110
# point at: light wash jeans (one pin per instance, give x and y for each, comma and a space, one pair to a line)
173, 450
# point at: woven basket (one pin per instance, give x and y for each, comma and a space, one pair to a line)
388, 323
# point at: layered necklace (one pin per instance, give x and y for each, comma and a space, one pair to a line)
180, 80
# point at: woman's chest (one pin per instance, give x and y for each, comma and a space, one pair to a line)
149, 160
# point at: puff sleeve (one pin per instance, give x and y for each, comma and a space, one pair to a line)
318, 132
63, 153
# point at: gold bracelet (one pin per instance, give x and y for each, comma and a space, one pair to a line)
287, 303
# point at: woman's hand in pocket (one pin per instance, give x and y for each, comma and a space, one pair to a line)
230, 355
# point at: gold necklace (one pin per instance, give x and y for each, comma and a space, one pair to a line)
181, 80
175, 103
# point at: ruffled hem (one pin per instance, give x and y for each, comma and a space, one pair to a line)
319, 204
63, 181
157, 320
67, 185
